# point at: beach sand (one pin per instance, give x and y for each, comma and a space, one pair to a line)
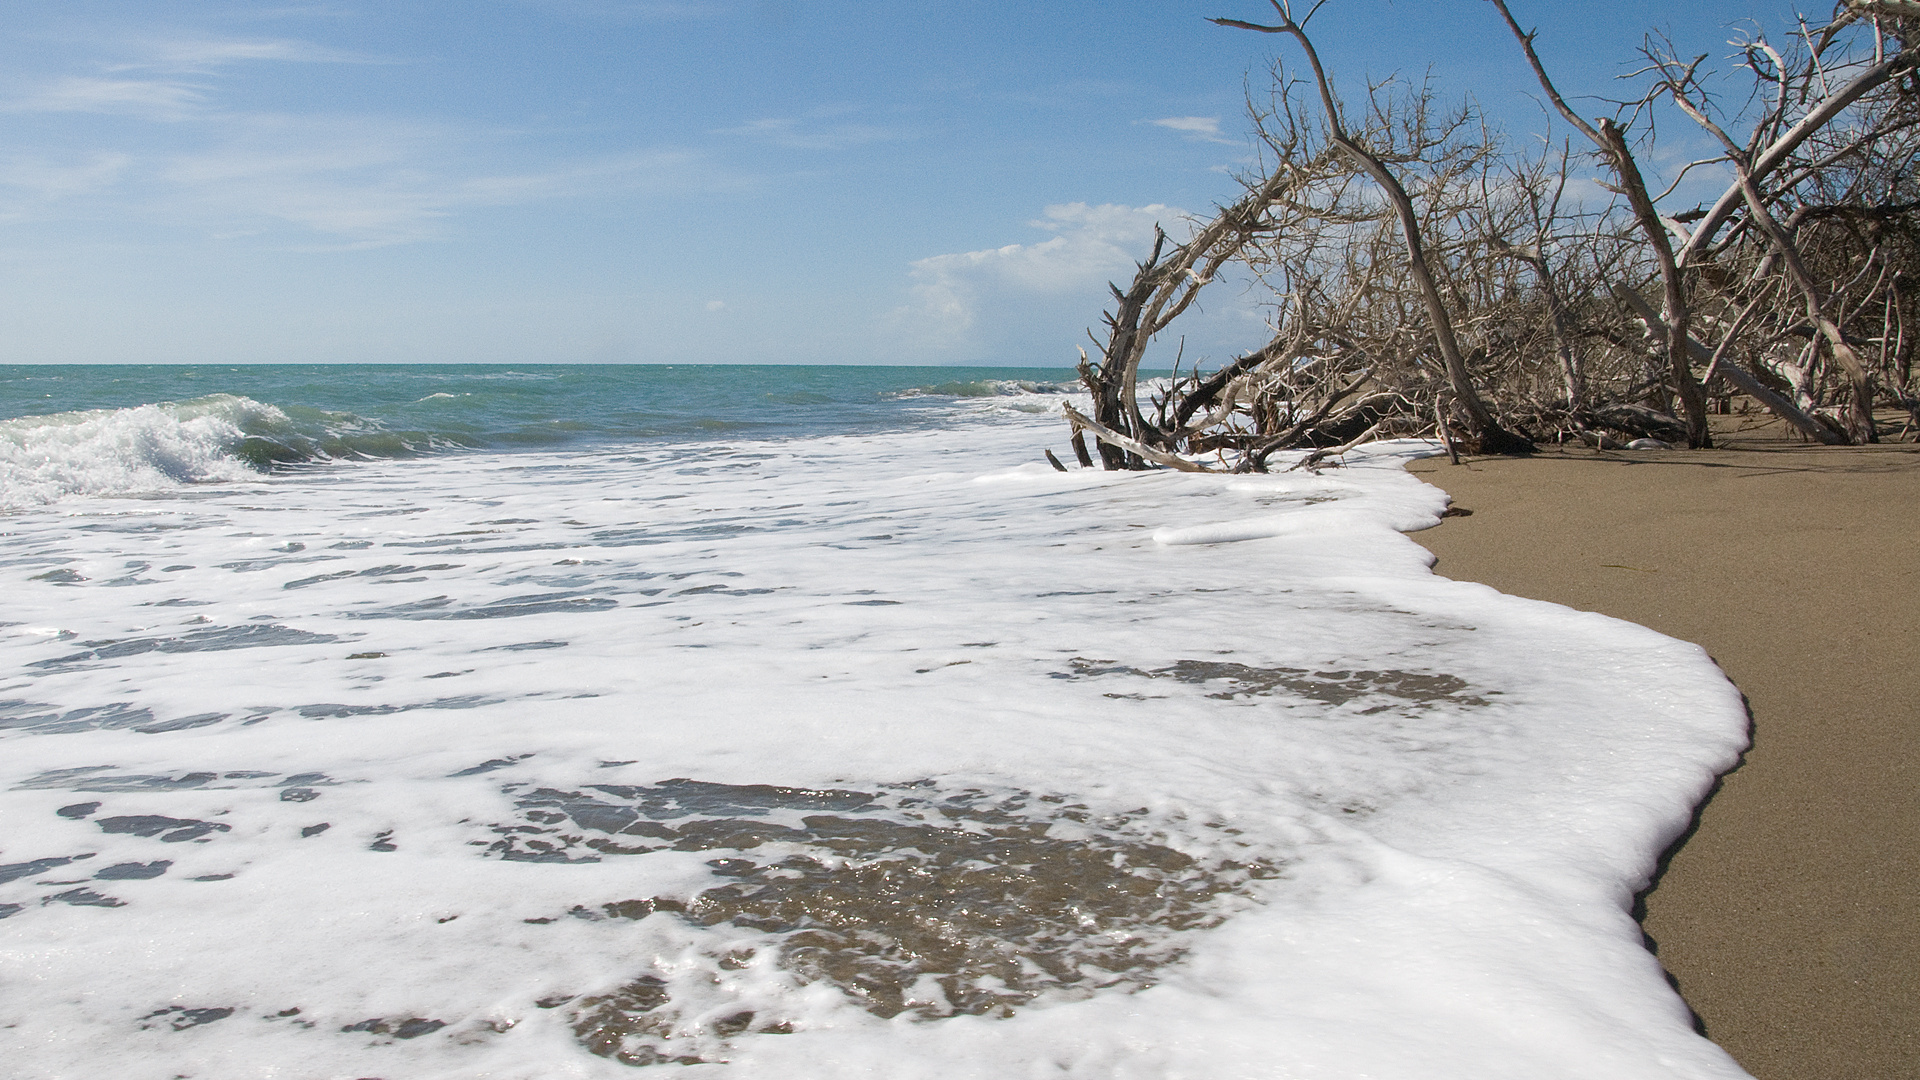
1790, 918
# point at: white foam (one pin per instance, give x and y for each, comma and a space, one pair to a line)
1463, 789
136, 451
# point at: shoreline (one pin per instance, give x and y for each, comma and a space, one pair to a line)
1789, 918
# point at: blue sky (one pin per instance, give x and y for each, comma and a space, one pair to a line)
660, 181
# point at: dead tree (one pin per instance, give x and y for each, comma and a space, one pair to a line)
1611, 140
1541, 193
1493, 438
1166, 284
1823, 110
1426, 278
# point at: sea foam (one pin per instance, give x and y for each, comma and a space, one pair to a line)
150, 448
893, 754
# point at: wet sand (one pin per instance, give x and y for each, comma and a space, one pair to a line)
1790, 918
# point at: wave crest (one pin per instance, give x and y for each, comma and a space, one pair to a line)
136, 451
987, 388
148, 449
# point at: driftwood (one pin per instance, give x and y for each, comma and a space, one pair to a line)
1780, 151
1312, 461
1113, 438
1733, 373
1427, 280
1494, 438
1612, 142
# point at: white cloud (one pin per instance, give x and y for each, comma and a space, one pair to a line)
356, 181
337, 181
813, 132
165, 98
955, 295
200, 155
626, 10
207, 55
156, 99
1200, 128
368, 183
30, 185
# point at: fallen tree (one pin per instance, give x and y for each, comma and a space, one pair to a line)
1427, 278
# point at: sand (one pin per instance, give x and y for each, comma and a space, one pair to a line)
1790, 917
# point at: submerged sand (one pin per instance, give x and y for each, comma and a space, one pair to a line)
1790, 918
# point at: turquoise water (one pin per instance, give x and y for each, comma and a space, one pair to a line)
367, 410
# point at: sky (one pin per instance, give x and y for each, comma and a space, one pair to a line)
667, 181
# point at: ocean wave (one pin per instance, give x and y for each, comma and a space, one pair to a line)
122, 451
148, 449
986, 388
299, 435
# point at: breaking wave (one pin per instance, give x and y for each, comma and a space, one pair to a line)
146, 449
206, 427
987, 388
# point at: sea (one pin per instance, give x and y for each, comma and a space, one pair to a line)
543, 722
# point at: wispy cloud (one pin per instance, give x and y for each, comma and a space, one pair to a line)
157, 99
627, 10
327, 182
1198, 128
150, 80
206, 55
954, 294
208, 162
815, 131
370, 183
32, 186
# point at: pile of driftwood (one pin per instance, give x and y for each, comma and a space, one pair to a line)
1428, 279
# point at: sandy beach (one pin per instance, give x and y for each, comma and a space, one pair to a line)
1790, 917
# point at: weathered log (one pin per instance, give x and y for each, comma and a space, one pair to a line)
1080, 449
1134, 446
1440, 429
1639, 420
1312, 461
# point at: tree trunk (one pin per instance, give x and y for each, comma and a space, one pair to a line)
1693, 400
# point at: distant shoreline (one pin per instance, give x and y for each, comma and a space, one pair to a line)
1790, 918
